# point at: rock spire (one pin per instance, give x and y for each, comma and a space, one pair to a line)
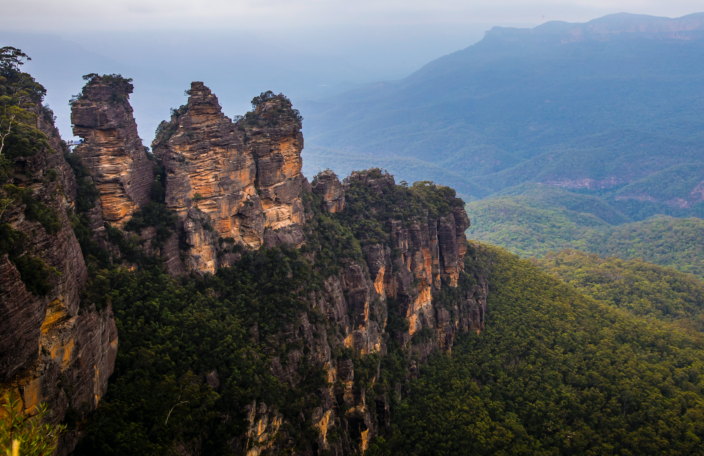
112, 149
232, 180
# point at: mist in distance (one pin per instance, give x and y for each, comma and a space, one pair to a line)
305, 49
302, 64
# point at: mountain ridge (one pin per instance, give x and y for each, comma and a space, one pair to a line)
634, 102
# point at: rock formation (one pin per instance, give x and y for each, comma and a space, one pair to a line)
51, 350
112, 149
231, 180
329, 188
233, 186
405, 275
430, 252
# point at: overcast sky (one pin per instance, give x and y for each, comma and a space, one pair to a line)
57, 15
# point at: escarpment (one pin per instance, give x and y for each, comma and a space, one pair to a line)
404, 293
111, 147
231, 180
54, 349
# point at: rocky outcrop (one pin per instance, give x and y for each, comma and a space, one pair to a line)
24, 312
418, 275
66, 353
264, 424
428, 253
232, 180
330, 190
111, 148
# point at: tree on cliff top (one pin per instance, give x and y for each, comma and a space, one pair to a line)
11, 59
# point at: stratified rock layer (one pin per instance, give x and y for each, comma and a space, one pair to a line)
231, 180
112, 149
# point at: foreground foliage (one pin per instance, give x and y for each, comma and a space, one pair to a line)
30, 436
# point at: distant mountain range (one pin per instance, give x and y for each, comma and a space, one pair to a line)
612, 108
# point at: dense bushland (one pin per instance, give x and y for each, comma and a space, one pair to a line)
555, 372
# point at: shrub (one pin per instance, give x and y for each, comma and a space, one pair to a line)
30, 435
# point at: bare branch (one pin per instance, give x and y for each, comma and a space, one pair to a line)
172, 409
4, 135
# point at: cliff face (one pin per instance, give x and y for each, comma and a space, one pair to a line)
231, 180
51, 349
415, 273
112, 149
429, 253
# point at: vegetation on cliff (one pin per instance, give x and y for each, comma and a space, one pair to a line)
20, 100
555, 372
175, 332
19, 96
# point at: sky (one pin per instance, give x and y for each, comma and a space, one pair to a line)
56, 15
306, 49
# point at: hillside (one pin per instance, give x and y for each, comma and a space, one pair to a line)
676, 191
555, 372
634, 285
205, 297
533, 220
610, 102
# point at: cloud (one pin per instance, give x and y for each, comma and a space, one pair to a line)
53, 15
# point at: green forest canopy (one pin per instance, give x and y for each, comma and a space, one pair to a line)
538, 219
641, 288
555, 372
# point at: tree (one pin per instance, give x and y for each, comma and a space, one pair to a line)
11, 59
10, 118
27, 436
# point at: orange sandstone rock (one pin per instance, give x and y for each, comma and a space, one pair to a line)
112, 149
230, 179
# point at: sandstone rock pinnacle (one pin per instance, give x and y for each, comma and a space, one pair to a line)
112, 149
231, 180
328, 186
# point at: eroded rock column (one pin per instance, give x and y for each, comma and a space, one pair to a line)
230, 182
112, 149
